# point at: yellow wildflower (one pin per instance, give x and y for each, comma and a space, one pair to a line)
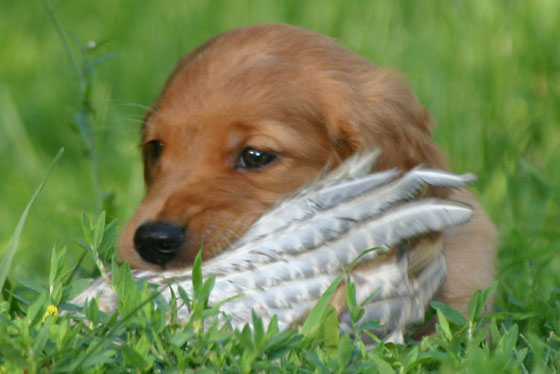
52, 310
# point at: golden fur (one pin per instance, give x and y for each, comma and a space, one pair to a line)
298, 94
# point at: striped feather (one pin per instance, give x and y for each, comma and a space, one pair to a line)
290, 256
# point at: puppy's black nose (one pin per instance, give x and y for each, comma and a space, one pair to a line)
158, 242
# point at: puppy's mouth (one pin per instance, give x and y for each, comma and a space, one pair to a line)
159, 242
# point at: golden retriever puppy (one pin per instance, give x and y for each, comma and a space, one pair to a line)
254, 114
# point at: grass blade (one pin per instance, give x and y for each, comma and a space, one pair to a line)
8, 256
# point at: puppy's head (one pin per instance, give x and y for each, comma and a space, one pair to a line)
249, 117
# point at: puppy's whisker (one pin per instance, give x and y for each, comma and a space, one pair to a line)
233, 233
235, 229
134, 115
139, 121
135, 105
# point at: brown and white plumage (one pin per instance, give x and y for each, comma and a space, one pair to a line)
289, 257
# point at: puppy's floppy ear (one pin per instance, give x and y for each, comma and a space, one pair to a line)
398, 123
377, 109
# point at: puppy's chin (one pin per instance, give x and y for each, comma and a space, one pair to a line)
136, 262
184, 259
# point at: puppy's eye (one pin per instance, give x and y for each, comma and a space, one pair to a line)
252, 158
154, 149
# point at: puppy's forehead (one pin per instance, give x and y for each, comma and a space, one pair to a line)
258, 66
239, 97
243, 82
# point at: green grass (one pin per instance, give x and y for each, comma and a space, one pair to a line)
489, 72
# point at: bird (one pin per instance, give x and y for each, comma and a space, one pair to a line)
373, 226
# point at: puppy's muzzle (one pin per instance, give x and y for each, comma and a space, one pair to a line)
158, 242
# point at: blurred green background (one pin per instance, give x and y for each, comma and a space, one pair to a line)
489, 72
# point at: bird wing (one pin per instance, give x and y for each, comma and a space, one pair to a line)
290, 256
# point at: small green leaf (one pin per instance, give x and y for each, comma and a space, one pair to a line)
444, 325
330, 331
245, 338
56, 294
508, 341
370, 297
350, 294
54, 267
345, 349
258, 329
279, 340
382, 366
314, 320
356, 312
99, 231
272, 329
475, 306
486, 295
513, 315
30, 283
321, 368
108, 239
496, 335
197, 272
86, 230
184, 296
40, 340
411, 358
203, 293
91, 311
133, 358
74, 288
34, 309
451, 313
98, 358
142, 346
181, 338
